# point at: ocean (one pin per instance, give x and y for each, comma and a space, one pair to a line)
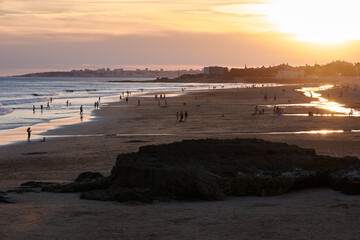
19, 95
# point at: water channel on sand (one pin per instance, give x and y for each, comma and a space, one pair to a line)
335, 109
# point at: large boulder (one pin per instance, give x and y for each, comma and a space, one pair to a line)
212, 169
346, 180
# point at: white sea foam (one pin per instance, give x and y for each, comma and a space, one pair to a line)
23, 101
4, 111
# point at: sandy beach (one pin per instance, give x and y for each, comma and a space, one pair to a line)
218, 113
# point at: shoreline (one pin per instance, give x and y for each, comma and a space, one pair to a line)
16, 135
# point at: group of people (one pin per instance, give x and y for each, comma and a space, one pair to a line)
41, 107
162, 96
266, 97
258, 111
182, 115
278, 111
96, 104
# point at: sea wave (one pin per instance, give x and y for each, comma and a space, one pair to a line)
81, 90
44, 94
4, 111
23, 101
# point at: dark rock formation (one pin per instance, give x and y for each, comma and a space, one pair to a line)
212, 169
89, 177
346, 180
33, 184
5, 199
22, 190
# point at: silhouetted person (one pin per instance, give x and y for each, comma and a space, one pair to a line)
34, 108
181, 116
29, 133
81, 110
186, 116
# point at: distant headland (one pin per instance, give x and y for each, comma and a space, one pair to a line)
276, 73
114, 73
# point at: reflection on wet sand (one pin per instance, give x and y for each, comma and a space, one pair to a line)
336, 109
325, 104
323, 132
9, 136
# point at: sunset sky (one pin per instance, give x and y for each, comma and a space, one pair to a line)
41, 35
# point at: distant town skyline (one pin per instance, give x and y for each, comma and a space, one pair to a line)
43, 35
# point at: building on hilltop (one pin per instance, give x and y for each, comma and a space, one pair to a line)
215, 71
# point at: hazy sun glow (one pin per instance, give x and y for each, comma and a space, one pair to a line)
322, 21
41, 35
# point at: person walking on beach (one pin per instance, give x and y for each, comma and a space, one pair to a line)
81, 110
181, 116
186, 116
29, 133
41, 107
256, 109
34, 108
48, 105
67, 103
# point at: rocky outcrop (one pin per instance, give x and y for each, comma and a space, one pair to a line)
212, 169
89, 177
346, 180
5, 199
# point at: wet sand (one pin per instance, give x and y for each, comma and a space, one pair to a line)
221, 113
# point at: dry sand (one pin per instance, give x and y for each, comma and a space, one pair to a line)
221, 113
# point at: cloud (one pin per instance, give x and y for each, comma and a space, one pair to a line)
5, 12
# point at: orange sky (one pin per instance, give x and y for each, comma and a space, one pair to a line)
41, 35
